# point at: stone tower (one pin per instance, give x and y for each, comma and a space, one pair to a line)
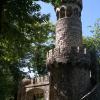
72, 67
69, 62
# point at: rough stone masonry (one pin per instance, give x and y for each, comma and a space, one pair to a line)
70, 63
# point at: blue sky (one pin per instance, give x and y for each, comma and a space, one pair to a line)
91, 11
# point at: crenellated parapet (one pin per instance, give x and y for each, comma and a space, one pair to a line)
30, 88
40, 80
66, 55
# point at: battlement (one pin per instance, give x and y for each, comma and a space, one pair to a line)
36, 87
65, 54
40, 80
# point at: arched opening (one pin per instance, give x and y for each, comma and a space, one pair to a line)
35, 94
79, 13
57, 13
69, 11
76, 12
62, 12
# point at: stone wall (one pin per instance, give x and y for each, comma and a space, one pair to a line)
68, 33
29, 88
70, 79
66, 54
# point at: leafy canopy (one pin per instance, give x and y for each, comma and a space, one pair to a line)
23, 28
94, 41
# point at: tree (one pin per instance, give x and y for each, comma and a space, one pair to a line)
22, 27
54, 2
94, 41
93, 44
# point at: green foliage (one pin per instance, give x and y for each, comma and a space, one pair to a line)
18, 28
96, 34
55, 3
94, 41
10, 75
6, 84
23, 29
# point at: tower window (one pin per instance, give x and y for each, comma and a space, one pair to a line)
69, 11
57, 13
62, 12
76, 13
79, 14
